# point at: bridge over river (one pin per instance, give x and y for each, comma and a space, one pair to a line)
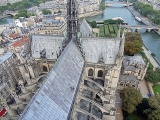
147, 27
116, 2
13, 13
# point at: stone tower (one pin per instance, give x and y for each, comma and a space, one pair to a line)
72, 21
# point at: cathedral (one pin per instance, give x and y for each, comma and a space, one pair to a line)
69, 77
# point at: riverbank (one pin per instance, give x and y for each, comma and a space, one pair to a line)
94, 13
152, 59
145, 20
4, 16
137, 14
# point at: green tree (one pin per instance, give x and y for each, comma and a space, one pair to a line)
133, 47
155, 115
131, 97
102, 6
111, 21
144, 105
148, 11
24, 4
154, 102
93, 24
45, 12
153, 76
21, 13
133, 43
154, 111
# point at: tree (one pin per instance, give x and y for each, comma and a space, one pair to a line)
45, 12
131, 97
133, 43
93, 24
154, 102
142, 107
154, 111
148, 11
102, 6
153, 76
155, 115
111, 21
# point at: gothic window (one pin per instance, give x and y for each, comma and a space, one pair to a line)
90, 72
100, 73
45, 69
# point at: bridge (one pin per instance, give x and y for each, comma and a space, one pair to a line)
13, 13
147, 27
121, 3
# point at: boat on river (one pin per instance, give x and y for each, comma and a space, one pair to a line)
138, 19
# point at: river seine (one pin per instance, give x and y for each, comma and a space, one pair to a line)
6, 20
151, 39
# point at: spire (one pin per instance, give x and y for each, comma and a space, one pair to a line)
72, 21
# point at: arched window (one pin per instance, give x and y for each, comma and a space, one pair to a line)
90, 72
45, 69
100, 73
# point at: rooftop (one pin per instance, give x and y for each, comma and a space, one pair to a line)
85, 29
100, 48
128, 78
131, 62
56, 96
20, 42
5, 56
51, 44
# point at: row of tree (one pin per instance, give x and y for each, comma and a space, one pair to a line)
24, 4
132, 102
148, 11
23, 13
93, 23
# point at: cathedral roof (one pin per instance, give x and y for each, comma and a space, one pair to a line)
85, 29
54, 100
97, 48
51, 44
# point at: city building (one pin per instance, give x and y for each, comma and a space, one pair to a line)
133, 71
4, 2
51, 25
135, 65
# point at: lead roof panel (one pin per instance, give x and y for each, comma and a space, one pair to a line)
54, 99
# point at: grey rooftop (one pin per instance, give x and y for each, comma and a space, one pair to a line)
54, 100
5, 57
51, 44
97, 48
85, 29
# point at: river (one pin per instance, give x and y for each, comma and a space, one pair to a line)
6, 20
151, 40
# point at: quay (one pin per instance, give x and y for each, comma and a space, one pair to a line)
90, 14
144, 20
136, 14
4, 16
153, 60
